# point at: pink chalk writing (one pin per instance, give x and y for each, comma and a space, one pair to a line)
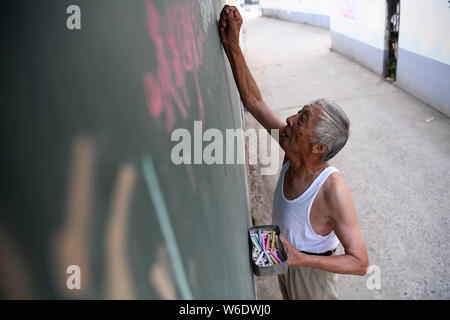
178, 39
348, 9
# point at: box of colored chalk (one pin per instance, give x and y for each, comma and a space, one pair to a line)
267, 254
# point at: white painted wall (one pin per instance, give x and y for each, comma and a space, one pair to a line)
362, 20
425, 28
321, 7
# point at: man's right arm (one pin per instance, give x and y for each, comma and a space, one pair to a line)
246, 84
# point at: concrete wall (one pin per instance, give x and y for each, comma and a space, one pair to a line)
358, 29
313, 12
423, 67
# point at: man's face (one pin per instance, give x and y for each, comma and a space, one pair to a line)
300, 129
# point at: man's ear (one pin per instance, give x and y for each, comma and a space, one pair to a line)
319, 148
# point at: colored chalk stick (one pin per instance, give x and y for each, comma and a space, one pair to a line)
273, 239
273, 259
269, 261
275, 256
279, 249
256, 244
259, 258
260, 239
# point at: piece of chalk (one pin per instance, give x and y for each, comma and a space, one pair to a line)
259, 243
260, 257
263, 242
273, 239
273, 259
258, 240
260, 237
256, 244
275, 256
269, 261
279, 249
268, 242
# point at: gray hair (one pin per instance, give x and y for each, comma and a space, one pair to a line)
332, 128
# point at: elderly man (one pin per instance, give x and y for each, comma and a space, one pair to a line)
312, 204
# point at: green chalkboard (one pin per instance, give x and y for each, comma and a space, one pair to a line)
90, 97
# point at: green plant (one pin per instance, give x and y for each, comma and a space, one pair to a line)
391, 65
254, 220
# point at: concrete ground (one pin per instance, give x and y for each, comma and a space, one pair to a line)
396, 162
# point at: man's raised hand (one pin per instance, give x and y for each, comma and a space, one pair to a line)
230, 23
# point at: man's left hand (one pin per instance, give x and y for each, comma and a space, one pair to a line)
295, 257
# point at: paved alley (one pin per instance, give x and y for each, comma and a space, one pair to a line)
396, 162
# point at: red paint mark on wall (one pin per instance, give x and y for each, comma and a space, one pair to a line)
178, 39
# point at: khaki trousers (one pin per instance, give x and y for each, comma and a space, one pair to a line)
306, 283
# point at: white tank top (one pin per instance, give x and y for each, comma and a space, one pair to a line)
293, 215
